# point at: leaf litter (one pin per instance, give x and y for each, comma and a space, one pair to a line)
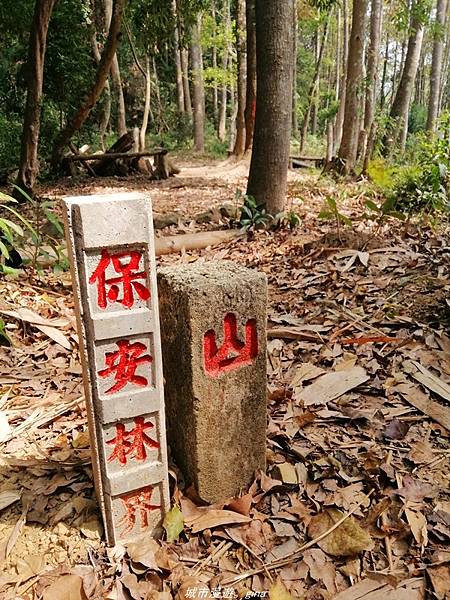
355, 500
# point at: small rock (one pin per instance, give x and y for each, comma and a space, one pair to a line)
165, 220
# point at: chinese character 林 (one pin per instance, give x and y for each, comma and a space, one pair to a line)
132, 444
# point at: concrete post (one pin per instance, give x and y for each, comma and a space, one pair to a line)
111, 250
213, 328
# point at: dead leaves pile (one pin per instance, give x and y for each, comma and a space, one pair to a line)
354, 502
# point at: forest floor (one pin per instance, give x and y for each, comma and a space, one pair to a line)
359, 418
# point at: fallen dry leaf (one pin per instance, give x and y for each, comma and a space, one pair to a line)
173, 523
418, 524
67, 587
347, 540
331, 386
278, 591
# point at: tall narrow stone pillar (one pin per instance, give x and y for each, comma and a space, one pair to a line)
111, 249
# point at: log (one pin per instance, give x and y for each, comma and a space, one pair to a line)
115, 155
171, 244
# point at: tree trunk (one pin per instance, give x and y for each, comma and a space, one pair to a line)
148, 86
177, 54
400, 107
267, 181
372, 70
341, 108
184, 57
313, 86
116, 77
215, 90
222, 125
383, 77
106, 112
250, 102
198, 86
436, 65
349, 143
294, 77
239, 143
28, 167
94, 94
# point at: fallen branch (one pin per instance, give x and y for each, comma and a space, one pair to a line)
194, 241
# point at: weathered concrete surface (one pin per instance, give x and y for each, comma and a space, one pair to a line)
111, 248
216, 414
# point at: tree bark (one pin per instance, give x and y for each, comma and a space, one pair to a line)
314, 84
198, 86
177, 54
116, 77
436, 65
94, 94
267, 181
294, 77
222, 125
215, 90
373, 60
184, 57
28, 167
341, 108
250, 102
349, 143
400, 107
106, 112
239, 143
148, 86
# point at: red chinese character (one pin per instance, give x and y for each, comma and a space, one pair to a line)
131, 444
233, 353
134, 502
123, 364
129, 273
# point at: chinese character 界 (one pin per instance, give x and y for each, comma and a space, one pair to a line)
131, 444
128, 275
134, 503
122, 364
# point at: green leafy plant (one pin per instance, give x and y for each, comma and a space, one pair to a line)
330, 211
11, 234
253, 216
288, 219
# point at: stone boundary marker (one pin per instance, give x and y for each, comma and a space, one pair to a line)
111, 250
213, 329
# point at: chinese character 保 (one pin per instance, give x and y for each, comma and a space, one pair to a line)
132, 444
122, 365
134, 503
108, 290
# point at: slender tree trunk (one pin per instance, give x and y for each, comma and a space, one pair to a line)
400, 107
76, 122
239, 144
384, 75
341, 109
177, 54
267, 180
222, 124
294, 77
148, 89
106, 112
436, 65
316, 93
373, 60
198, 86
349, 143
116, 78
313, 86
215, 91
184, 57
250, 102
28, 167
